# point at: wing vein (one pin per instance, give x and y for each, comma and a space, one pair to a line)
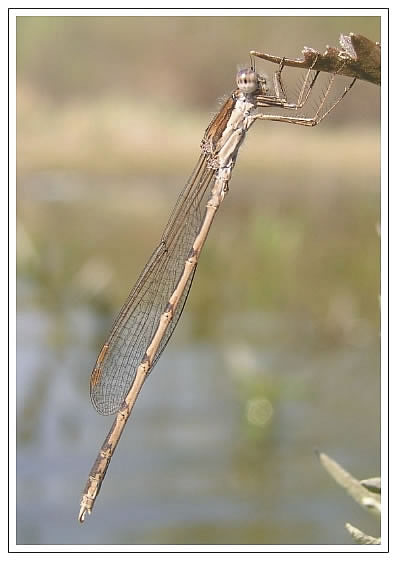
138, 319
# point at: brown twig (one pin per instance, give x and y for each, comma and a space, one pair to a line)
359, 56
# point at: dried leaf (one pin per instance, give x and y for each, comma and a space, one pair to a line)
358, 57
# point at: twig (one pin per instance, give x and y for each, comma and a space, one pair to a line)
360, 55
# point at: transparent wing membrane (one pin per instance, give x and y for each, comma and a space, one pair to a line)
137, 322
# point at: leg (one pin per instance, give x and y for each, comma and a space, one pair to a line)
280, 98
305, 121
277, 83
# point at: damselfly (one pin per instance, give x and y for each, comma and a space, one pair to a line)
154, 306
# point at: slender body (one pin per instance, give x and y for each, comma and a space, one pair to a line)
155, 304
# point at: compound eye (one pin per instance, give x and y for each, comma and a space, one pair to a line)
247, 80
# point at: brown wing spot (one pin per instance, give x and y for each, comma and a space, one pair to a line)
218, 124
96, 373
95, 377
102, 354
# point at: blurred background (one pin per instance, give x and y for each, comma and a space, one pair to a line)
277, 352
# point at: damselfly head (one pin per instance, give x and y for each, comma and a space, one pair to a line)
247, 80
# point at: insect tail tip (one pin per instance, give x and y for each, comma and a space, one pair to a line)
82, 513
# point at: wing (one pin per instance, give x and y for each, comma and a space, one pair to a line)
138, 319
